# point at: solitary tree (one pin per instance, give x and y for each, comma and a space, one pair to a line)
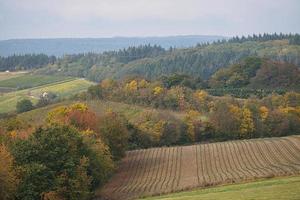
24, 105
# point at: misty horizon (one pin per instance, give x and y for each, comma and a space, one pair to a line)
141, 18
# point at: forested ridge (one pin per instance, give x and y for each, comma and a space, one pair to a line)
201, 61
151, 62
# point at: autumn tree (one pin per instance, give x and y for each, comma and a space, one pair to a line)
247, 124
59, 159
264, 112
8, 176
77, 115
192, 120
132, 86
224, 119
170, 134
143, 83
157, 90
114, 130
201, 100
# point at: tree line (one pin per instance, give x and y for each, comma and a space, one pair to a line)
206, 117
25, 62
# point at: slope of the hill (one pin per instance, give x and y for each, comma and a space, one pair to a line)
170, 169
151, 63
277, 188
62, 46
62, 89
28, 81
203, 61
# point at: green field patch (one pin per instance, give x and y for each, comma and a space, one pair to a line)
28, 81
63, 89
287, 188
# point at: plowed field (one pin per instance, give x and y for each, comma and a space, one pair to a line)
170, 169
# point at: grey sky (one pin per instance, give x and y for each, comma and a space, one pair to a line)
108, 18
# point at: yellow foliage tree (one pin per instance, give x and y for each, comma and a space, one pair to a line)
235, 111
8, 176
158, 129
157, 90
13, 134
107, 83
57, 115
191, 117
211, 106
143, 83
264, 112
132, 85
201, 95
247, 124
292, 99
79, 106
290, 110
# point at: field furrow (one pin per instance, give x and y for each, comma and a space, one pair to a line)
169, 169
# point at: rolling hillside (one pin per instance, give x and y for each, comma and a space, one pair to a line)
62, 89
203, 61
169, 169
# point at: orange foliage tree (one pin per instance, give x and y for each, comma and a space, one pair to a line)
77, 115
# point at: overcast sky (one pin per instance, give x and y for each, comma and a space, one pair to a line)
108, 18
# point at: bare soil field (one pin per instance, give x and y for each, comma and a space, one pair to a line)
169, 169
8, 75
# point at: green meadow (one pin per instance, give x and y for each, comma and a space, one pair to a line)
62, 89
287, 188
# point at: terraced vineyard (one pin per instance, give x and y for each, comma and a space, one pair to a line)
169, 169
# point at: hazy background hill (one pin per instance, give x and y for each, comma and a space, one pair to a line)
61, 46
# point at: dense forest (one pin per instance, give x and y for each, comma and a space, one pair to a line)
25, 62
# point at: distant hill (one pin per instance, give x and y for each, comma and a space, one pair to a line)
62, 46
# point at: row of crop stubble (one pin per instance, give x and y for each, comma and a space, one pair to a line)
168, 169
